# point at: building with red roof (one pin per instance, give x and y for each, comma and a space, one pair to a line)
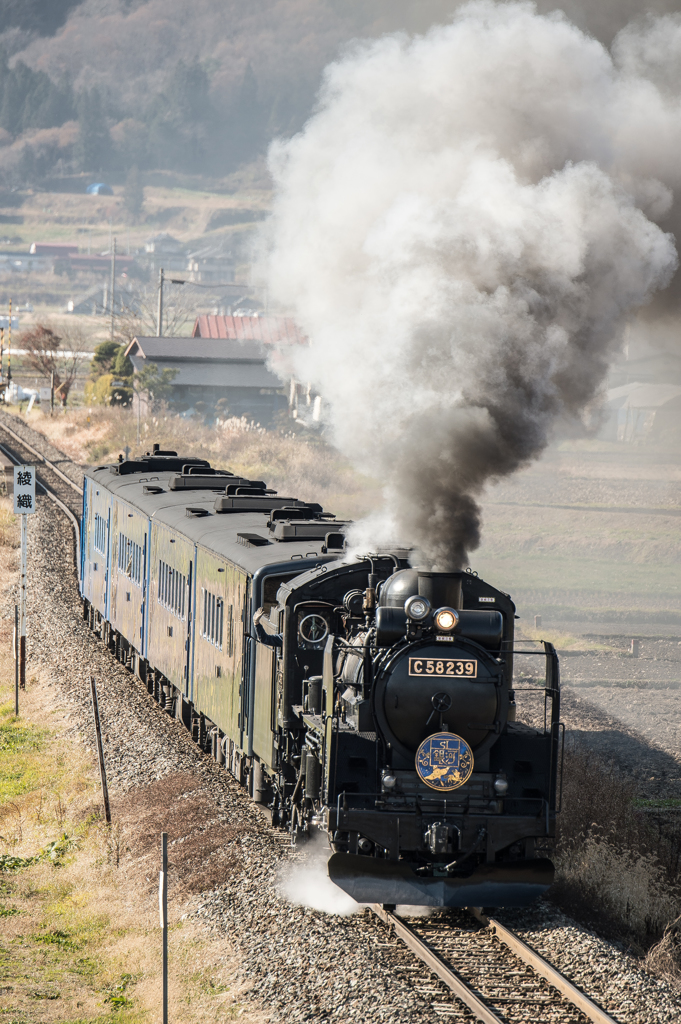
270, 330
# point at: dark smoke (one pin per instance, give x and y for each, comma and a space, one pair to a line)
463, 228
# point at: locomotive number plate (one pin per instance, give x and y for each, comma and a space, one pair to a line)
443, 667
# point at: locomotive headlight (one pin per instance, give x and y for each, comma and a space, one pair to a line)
417, 608
501, 786
446, 619
389, 781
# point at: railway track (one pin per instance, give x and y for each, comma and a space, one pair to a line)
51, 480
476, 969
491, 974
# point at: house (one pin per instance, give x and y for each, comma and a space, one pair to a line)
280, 334
213, 264
640, 411
270, 330
164, 244
209, 370
165, 251
63, 249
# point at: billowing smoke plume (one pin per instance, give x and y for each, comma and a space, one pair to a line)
462, 229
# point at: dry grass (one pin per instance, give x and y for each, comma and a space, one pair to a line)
9, 532
664, 959
301, 466
79, 936
615, 868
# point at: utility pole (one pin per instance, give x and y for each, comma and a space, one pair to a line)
159, 319
52, 393
113, 285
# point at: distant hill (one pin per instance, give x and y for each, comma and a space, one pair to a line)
201, 87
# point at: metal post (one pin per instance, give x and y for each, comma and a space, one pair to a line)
52, 393
22, 605
100, 750
159, 319
113, 285
16, 660
139, 402
163, 907
9, 346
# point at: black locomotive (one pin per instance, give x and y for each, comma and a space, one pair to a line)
370, 699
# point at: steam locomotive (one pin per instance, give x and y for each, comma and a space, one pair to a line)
369, 699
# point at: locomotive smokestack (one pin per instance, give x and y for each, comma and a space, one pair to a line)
463, 228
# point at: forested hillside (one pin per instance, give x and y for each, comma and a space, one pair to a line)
203, 87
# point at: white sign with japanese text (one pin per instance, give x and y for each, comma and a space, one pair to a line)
24, 489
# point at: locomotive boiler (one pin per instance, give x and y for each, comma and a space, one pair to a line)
353, 694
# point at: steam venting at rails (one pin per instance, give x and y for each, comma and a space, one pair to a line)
462, 229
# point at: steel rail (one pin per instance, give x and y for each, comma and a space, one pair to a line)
438, 966
50, 493
542, 967
43, 458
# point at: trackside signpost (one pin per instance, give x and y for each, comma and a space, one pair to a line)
24, 505
163, 914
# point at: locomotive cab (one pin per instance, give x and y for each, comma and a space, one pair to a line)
398, 699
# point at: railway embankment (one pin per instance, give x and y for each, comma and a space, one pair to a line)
238, 946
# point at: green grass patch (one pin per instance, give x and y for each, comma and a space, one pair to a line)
58, 938
664, 804
54, 852
21, 744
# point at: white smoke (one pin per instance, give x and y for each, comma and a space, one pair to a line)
462, 229
307, 883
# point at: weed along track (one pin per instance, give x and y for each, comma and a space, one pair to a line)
225, 858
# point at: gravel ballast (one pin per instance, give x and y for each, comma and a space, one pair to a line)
303, 964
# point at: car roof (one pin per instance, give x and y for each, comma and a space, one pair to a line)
217, 532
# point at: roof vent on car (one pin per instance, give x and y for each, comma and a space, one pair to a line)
294, 512
152, 489
301, 529
199, 480
195, 513
188, 470
259, 503
334, 541
156, 450
247, 487
251, 540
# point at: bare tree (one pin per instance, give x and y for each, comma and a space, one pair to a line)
61, 354
136, 316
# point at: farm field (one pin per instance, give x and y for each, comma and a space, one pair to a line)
192, 213
588, 537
